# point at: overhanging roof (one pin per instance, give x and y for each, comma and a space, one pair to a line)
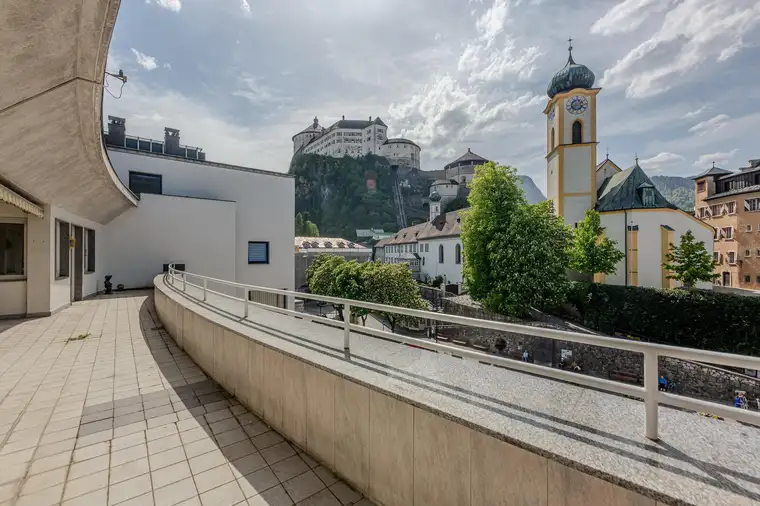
51, 76
14, 199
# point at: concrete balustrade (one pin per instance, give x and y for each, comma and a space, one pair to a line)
388, 448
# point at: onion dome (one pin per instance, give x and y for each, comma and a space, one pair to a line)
573, 75
435, 196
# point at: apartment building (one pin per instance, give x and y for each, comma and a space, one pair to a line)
730, 202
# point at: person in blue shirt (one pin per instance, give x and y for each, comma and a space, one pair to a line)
663, 383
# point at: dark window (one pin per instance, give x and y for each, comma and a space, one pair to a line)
552, 144
577, 132
11, 249
701, 186
90, 250
140, 182
440, 254
647, 197
758, 279
258, 252
63, 249
458, 254
747, 279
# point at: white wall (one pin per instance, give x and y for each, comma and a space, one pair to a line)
448, 268
577, 169
61, 289
264, 211
650, 241
163, 229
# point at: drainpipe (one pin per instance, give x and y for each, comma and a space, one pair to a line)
625, 213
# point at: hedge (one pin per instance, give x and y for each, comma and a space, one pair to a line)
696, 319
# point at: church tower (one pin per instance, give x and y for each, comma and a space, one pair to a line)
571, 141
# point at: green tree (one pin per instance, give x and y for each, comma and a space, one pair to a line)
517, 254
690, 262
350, 281
299, 224
393, 285
321, 277
591, 252
310, 229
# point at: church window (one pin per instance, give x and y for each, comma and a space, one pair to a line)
648, 197
552, 144
577, 132
440, 253
458, 254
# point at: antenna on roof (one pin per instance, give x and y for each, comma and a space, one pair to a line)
608, 152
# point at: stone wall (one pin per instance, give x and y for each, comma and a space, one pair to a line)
692, 379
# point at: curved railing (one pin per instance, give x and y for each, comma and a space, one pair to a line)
650, 393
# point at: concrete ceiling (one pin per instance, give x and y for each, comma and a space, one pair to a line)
51, 77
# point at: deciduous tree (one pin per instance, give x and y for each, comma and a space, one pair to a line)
517, 254
393, 285
690, 262
592, 252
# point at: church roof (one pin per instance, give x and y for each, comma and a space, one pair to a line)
467, 157
400, 140
443, 225
571, 76
621, 191
378, 121
315, 127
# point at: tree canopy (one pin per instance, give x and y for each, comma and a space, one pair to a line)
305, 228
390, 284
591, 251
517, 254
690, 262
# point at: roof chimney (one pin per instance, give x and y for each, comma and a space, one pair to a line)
171, 141
117, 129
344, 116
370, 118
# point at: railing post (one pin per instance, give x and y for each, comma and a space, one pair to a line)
651, 383
347, 327
246, 291
205, 287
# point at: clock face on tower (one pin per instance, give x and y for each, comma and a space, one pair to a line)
577, 104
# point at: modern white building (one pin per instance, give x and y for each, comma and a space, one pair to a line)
226, 221
356, 138
633, 212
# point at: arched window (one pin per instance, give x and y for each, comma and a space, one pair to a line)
440, 253
577, 132
458, 254
551, 146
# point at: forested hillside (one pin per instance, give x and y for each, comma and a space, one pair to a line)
678, 190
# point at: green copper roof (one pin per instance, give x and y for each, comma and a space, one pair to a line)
624, 191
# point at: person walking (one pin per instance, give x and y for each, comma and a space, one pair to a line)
525, 356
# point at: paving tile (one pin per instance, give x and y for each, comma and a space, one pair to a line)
192, 435
224, 425
267, 439
325, 475
231, 437
207, 461
129, 470
171, 418
121, 443
289, 468
97, 437
176, 493
216, 416
226, 495
89, 452
278, 452
45, 497
213, 478
302, 486
163, 444
49, 463
128, 454
257, 482
129, 419
140, 500
43, 480
310, 461
239, 449
79, 469
275, 496
128, 489
160, 432
200, 447
170, 474
85, 484
127, 410
132, 428
323, 498
166, 458
93, 498
345, 494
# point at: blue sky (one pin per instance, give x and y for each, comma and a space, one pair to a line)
679, 78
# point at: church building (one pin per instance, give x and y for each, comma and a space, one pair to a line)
633, 212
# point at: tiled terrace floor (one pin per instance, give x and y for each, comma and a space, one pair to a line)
123, 416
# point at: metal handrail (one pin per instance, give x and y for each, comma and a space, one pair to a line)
649, 392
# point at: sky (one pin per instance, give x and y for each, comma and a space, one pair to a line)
680, 79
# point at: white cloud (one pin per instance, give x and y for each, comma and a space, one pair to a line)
172, 5
695, 113
167, 66
661, 161
720, 158
691, 32
245, 7
711, 125
627, 16
145, 61
255, 92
